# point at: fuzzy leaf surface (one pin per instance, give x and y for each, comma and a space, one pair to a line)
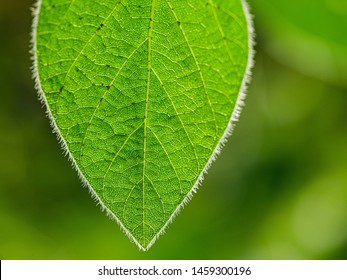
141, 93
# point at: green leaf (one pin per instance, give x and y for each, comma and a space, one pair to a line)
142, 95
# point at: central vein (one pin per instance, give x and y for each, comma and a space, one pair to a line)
149, 67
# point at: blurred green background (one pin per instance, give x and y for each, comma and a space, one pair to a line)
277, 191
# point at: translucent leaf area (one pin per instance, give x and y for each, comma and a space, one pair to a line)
142, 95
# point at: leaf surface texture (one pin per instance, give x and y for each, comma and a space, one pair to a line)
141, 93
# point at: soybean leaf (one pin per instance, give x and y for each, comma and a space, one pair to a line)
142, 95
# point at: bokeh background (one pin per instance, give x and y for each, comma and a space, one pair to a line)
277, 191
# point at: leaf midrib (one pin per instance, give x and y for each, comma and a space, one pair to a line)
149, 67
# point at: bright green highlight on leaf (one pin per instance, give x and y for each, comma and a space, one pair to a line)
142, 94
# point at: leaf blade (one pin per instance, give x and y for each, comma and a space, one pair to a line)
142, 113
